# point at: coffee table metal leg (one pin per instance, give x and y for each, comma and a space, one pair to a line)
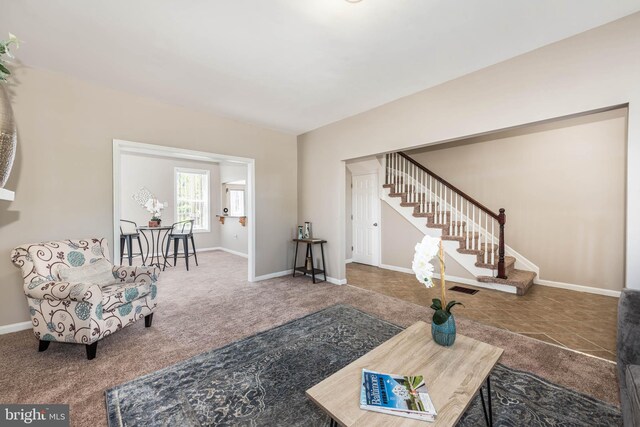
489, 399
486, 408
333, 423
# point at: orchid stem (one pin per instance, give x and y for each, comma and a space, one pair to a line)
442, 280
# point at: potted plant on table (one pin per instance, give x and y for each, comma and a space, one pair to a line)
443, 325
155, 207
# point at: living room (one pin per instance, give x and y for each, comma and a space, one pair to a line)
294, 91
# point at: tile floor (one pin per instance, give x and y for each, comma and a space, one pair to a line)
577, 320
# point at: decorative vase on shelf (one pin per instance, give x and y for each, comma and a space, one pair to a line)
8, 137
444, 334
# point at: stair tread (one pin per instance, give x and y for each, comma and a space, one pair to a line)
522, 280
508, 261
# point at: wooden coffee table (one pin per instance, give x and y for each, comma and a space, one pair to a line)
453, 376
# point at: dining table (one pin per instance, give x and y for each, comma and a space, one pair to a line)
155, 244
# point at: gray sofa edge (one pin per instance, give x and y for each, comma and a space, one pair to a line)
628, 347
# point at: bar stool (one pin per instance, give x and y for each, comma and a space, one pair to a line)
129, 231
181, 232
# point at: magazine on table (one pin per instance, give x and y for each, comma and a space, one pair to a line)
405, 396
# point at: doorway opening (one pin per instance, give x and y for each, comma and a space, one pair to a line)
183, 186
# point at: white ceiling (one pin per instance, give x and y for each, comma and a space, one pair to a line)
291, 65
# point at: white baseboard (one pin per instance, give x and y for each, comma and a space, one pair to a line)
396, 268
273, 275
220, 248
335, 281
208, 249
348, 261
15, 327
579, 288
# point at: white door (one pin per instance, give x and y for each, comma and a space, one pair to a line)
365, 212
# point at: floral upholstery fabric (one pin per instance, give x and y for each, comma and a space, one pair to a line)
82, 312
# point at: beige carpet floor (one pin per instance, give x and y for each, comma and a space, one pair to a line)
213, 305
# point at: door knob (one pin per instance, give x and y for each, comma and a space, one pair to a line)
375, 224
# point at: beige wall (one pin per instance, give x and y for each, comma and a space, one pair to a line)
399, 238
63, 170
157, 175
592, 70
563, 187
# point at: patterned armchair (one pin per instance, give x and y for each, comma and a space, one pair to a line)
82, 313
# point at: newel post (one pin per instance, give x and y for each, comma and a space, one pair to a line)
502, 219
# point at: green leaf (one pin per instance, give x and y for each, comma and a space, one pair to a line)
437, 305
4, 69
451, 304
440, 316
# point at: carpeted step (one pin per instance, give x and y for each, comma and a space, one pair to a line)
410, 204
509, 263
462, 239
522, 280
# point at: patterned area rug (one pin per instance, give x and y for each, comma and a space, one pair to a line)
261, 381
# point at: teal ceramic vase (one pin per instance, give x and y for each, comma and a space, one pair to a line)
444, 334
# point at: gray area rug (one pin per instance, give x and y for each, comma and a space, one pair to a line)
261, 381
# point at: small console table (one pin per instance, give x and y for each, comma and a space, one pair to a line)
313, 271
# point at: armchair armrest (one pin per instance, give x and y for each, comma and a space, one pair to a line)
128, 274
63, 291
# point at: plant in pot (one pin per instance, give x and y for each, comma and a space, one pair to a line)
154, 207
443, 324
8, 132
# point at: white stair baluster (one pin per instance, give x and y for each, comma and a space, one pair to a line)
412, 190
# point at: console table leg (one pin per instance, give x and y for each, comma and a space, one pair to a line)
313, 267
295, 260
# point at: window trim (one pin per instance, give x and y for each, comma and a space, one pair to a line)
207, 213
244, 204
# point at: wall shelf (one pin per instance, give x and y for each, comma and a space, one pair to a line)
7, 195
241, 219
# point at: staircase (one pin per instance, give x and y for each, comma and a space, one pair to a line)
472, 234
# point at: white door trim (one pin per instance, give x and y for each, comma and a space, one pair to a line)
122, 146
377, 208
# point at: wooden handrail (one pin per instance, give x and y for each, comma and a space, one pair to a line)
453, 187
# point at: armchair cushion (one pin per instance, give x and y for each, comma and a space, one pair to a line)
99, 272
119, 294
136, 274
62, 291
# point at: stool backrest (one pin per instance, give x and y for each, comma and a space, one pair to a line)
128, 227
183, 227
